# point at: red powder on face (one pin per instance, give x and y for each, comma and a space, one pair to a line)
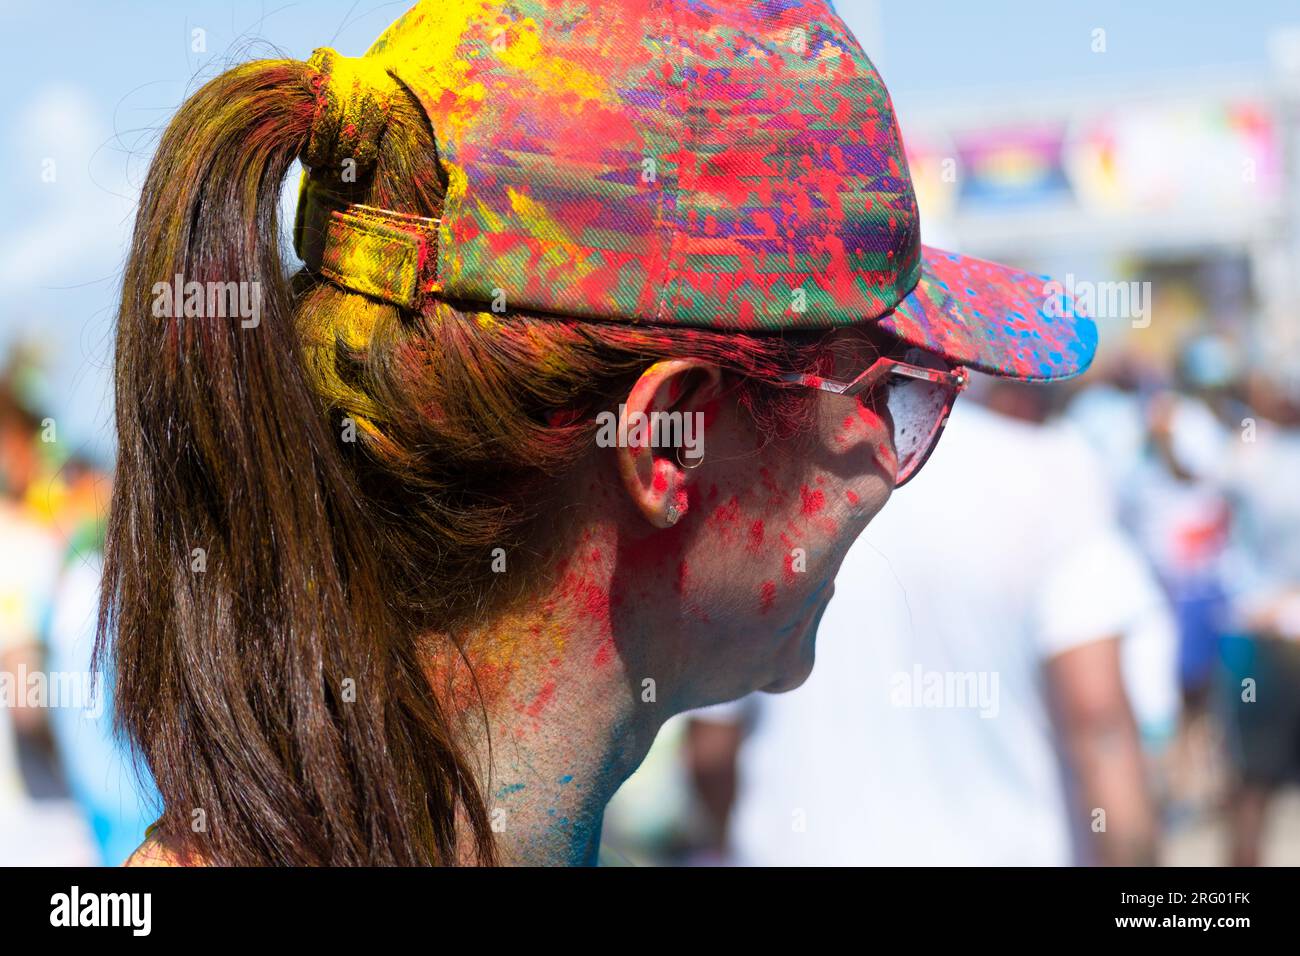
660, 482
767, 596
813, 501
729, 513
775, 492
756, 535
655, 557
596, 602
591, 599
852, 496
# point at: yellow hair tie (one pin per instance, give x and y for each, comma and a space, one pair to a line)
353, 97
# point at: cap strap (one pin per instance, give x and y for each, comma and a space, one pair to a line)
384, 254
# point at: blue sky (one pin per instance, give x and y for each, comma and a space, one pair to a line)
89, 84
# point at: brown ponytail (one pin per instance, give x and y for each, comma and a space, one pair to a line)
260, 666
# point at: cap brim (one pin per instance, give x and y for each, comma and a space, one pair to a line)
993, 318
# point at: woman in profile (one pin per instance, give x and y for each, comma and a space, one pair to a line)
614, 330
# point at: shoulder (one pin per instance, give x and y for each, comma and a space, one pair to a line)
157, 851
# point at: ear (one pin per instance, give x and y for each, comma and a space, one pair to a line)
666, 411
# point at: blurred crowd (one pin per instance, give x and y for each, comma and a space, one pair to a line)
68, 792
1073, 639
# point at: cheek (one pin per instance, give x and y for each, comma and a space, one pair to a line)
835, 510
862, 432
776, 545
805, 539
847, 480
853, 468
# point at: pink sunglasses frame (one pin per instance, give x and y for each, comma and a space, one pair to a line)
952, 380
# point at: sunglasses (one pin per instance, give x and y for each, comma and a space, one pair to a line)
919, 391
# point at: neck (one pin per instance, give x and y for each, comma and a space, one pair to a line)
551, 700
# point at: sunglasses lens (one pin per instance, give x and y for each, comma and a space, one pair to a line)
919, 409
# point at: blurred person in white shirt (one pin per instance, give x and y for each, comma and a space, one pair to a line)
970, 705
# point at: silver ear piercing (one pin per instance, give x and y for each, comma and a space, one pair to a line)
692, 463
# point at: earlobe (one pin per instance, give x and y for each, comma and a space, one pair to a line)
661, 436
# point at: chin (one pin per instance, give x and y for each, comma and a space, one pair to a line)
789, 682
799, 654
797, 657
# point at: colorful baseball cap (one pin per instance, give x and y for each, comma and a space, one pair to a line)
713, 163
